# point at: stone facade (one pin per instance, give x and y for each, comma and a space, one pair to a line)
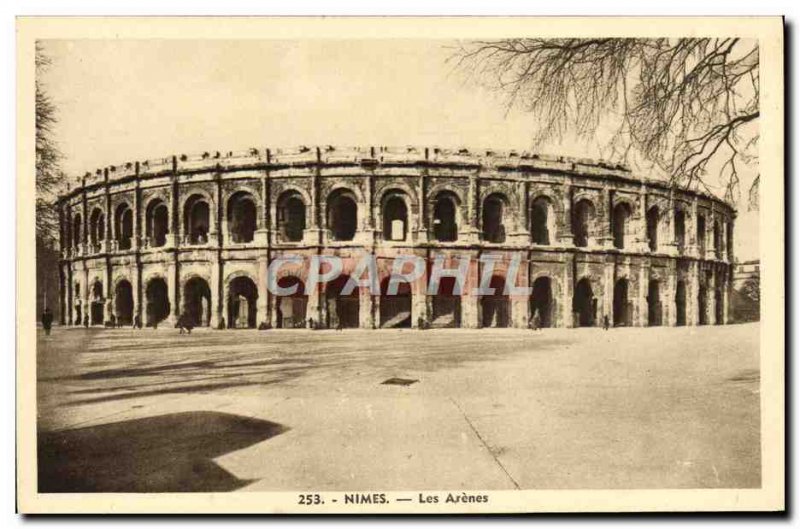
149, 240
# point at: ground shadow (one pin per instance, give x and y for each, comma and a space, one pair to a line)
167, 453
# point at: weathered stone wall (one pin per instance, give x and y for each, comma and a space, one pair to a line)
94, 267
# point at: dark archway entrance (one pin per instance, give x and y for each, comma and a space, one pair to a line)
702, 309
541, 221
97, 305
242, 297
123, 303
77, 229
701, 236
654, 317
494, 229
496, 307
242, 217
446, 305
157, 225
124, 226
584, 304
395, 308
342, 309
291, 216
542, 301
680, 230
97, 224
292, 309
652, 229
342, 215
622, 306
620, 216
197, 302
158, 307
680, 304
395, 218
196, 215
582, 218
445, 226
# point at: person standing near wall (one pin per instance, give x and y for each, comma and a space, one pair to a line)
47, 321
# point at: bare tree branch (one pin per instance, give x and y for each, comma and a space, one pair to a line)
685, 105
48, 157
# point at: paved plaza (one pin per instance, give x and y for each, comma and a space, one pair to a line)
153, 410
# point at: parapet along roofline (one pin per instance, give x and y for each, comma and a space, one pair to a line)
501, 161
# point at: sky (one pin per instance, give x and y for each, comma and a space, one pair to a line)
126, 100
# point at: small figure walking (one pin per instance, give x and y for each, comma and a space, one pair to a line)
311, 323
47, 321
86, 321
184, 324
113, 321
137, 322
605, 322
536, 321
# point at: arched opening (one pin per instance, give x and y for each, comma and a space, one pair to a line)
702, 308
157, 295
680, 230
718, 316
445, 225
342, 215
541, 221
717, 240
446, 304
242, 296
77, 229
196, 215
496, 308
542, 302
197, 302
395, 308
157, 225
123, 222
342, 309
729, 240
584, 304
242, 217
97, 228
680, 304
123, 302
654, 317
78, 313
620, 216
97, 305
494, 229
292, 309
395, 218
701, 235
291, 217
622, 305
652, 229
582, 217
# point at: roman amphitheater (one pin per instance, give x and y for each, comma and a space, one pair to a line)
144, 242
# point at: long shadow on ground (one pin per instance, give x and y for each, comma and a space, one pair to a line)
167, 453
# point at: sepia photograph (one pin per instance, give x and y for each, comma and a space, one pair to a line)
359, 265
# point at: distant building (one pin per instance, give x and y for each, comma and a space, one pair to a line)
746, 291
744, 271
